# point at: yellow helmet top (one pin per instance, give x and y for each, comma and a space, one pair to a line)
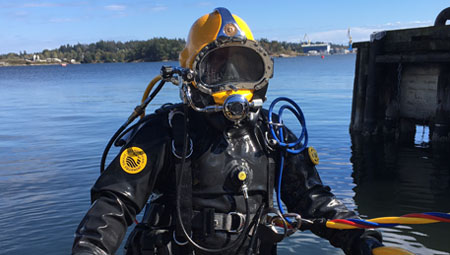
225, 57
209, 28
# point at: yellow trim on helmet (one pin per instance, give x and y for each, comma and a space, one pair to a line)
203, 32
244, 27
220, 97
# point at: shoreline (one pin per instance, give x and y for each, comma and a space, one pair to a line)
5, 63
40, 64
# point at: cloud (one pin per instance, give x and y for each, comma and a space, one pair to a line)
158, 8
115, 7
20, 14
41, 5
34, 5
61, 20
409, 24
358, 34
203, 4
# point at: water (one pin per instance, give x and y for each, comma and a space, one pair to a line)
55, 122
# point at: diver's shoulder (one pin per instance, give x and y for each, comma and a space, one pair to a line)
151, 126
265, 114
160, 116
168, 107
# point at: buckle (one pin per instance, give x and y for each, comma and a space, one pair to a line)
174, 150
178, 242
172, 114
241, 224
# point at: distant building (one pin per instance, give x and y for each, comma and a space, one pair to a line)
316, 48
53, 60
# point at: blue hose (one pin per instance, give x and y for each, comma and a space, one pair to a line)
289, 147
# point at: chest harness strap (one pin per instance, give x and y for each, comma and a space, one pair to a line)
183, 172
178, 122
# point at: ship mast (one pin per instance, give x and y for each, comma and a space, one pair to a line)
306, 40
349, 40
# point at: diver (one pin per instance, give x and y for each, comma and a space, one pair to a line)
205, 170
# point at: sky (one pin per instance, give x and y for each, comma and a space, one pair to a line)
33, 26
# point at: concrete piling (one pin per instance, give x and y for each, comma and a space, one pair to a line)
441, 125
402, 79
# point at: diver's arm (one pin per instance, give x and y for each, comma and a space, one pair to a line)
118, 196
304, 193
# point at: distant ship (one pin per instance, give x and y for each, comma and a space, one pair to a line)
316, 48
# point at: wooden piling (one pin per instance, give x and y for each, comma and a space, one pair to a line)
372, 89
441, 127
359, 88
402, 79
391, 98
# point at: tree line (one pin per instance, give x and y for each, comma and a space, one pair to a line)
156, 49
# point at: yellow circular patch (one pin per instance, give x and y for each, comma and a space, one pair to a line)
313, 155
133, 160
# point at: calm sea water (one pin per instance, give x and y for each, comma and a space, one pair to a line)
55, 122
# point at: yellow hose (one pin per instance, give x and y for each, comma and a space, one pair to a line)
403, 220
148, 89
337, 225
383, 220
385, 250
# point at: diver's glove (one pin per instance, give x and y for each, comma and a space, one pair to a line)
351, 241
368, 241
84, 251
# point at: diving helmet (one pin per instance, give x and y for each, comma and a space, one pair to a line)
231, 70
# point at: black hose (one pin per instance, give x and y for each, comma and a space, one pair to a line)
255, 229
108, 147
137, 112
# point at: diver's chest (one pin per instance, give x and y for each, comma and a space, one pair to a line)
227, 159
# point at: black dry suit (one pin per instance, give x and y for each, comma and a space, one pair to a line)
213, 206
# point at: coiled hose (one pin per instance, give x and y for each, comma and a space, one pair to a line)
277, 129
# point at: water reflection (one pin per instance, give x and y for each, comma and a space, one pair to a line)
393, 179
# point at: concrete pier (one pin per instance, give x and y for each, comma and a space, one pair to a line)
402, 79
